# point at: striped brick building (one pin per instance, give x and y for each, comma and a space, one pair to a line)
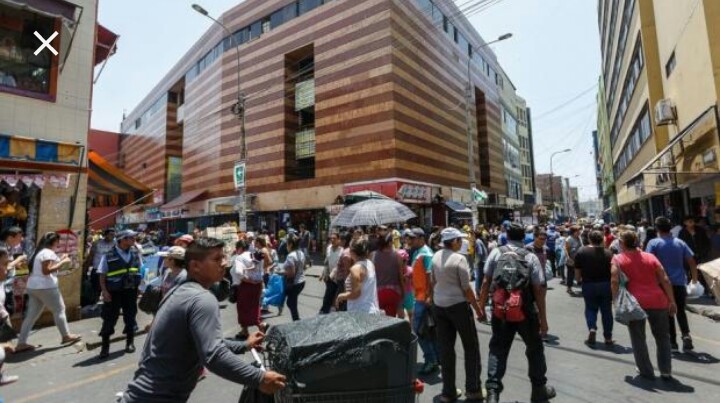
342, 95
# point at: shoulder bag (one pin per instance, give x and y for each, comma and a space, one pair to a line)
627, 308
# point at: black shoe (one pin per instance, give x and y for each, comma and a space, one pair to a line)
104, 348
130, 348
687, 344
492, 396
592, 337
542, 394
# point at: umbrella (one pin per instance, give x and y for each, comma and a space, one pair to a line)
373, 212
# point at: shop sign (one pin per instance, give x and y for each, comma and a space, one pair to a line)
153, 214
411, 193
224, 208
239, 175
39, 180
334, 209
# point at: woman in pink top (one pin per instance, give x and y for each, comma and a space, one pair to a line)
649, 284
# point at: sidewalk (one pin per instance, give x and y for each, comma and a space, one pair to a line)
705, 307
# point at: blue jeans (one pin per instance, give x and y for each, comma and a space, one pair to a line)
428, 347
598, 296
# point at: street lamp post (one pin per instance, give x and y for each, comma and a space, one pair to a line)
552, 190
238, 109
468, 122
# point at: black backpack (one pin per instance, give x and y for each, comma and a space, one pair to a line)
511, 285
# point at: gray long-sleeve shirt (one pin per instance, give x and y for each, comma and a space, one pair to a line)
186, 335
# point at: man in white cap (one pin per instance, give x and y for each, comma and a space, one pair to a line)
452, 297
119, 274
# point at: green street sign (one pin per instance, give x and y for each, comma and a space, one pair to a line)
239, 175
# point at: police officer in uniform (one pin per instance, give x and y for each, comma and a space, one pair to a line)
119, 273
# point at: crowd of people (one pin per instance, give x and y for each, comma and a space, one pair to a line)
441, 281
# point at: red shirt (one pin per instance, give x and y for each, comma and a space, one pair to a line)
640, 268
609, 238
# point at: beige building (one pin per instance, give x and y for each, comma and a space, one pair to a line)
659, 64
517, 147
45, 105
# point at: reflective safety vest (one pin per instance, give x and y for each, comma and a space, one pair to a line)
122, 274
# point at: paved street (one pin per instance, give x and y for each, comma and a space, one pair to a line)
579, 373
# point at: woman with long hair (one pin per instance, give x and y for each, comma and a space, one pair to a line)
42, 288
294, 269
361, 285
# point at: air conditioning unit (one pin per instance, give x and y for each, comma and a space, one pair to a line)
665, 113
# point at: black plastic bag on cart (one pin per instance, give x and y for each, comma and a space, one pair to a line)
253, 395
343, 351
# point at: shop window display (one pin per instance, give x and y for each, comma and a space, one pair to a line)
19, 206
20, 68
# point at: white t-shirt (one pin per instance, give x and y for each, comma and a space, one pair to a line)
39, 281
244, 267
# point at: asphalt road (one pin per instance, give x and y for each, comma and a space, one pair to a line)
579, 374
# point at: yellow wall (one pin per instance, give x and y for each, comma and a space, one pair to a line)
691, 86
67, 119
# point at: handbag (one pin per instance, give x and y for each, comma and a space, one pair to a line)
627, 308
150, 300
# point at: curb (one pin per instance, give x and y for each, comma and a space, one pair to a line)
713, 314
93, 345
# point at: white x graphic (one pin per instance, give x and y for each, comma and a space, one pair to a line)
46, 43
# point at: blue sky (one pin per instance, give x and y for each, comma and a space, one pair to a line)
552, 58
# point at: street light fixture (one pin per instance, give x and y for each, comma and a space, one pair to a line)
238, 109
552, 191
471, 159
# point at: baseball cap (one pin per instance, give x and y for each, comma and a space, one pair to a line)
175, 252
448, 234
417, 233
126, 233
186, 238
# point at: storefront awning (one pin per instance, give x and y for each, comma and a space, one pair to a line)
17, 148
457, 207
105, 45
689, 153
182, 200
107, 180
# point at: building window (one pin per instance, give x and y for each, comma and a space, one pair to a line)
308, 5
639, 134
21, 71
300, 121
255, 30
670, 65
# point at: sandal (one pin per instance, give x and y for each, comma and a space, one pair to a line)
21, 348
71, 338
